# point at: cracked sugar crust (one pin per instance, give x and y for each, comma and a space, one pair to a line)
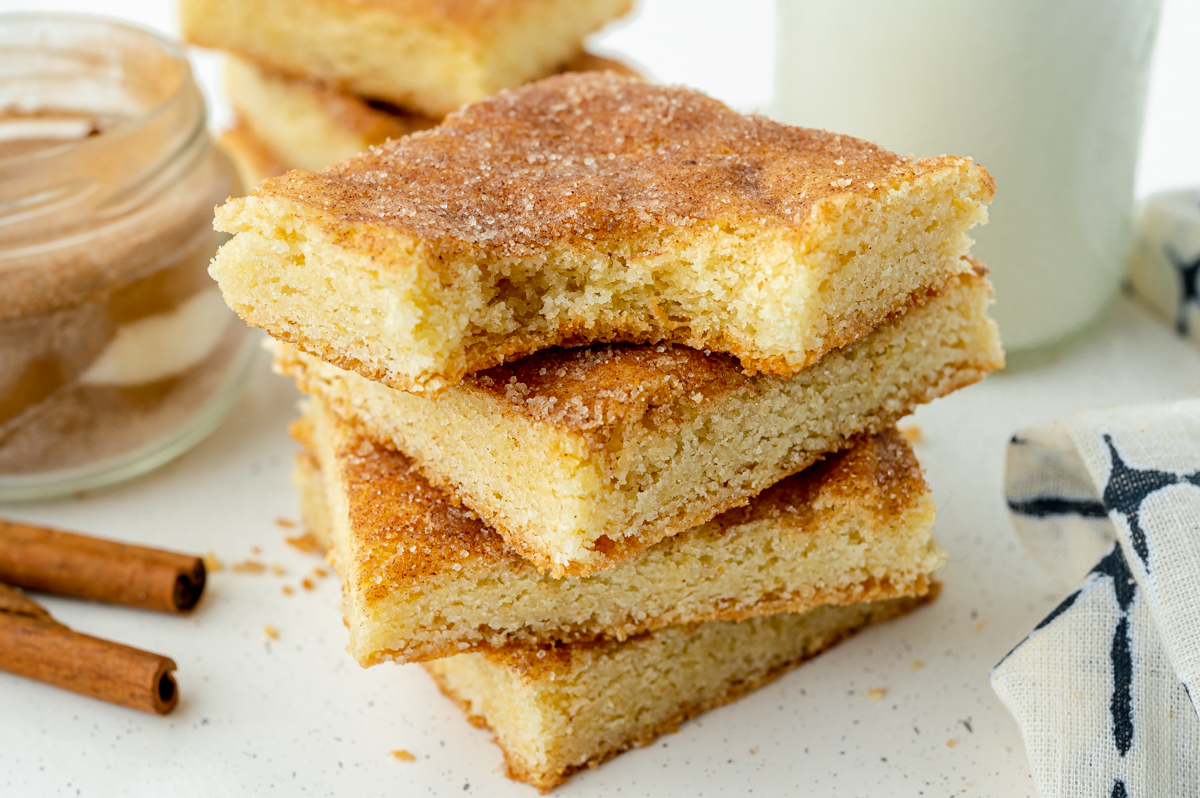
594, 388
596, 157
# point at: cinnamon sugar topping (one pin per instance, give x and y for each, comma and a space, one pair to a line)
593, 157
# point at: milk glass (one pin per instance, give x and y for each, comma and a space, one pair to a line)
1047, 95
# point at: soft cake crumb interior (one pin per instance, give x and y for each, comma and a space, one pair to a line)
574, 502
577, 706
857, 528
777, 301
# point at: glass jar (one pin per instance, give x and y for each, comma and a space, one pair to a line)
116, 350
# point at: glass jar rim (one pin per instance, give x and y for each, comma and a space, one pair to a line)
68, 209
138, 89
11, 22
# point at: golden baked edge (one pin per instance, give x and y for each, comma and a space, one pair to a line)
546, 679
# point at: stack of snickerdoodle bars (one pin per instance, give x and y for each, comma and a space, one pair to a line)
602, 381
313, 82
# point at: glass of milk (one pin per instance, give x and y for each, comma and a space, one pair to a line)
1047, 95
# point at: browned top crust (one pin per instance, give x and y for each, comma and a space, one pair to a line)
593, 387
406, 529
403, 527
593, 158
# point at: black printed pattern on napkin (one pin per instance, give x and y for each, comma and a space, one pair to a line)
1048, 506
1189, 276
1142, 728
1127, 487
1121, 658
1121, 655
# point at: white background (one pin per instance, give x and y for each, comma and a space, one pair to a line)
296, 716
726, 48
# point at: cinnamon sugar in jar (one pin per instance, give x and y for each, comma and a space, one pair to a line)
116, 351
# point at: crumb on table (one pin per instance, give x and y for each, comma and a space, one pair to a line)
270, 631
403, 755
212, 563
917, 665
286, 523
249, 567
877, 693
911, 432
307, 543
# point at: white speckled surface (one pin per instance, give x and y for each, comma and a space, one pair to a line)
297, 716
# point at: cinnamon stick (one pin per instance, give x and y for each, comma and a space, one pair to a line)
49, 560
34, 645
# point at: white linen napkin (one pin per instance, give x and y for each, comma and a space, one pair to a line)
1164, 264
1105, 689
